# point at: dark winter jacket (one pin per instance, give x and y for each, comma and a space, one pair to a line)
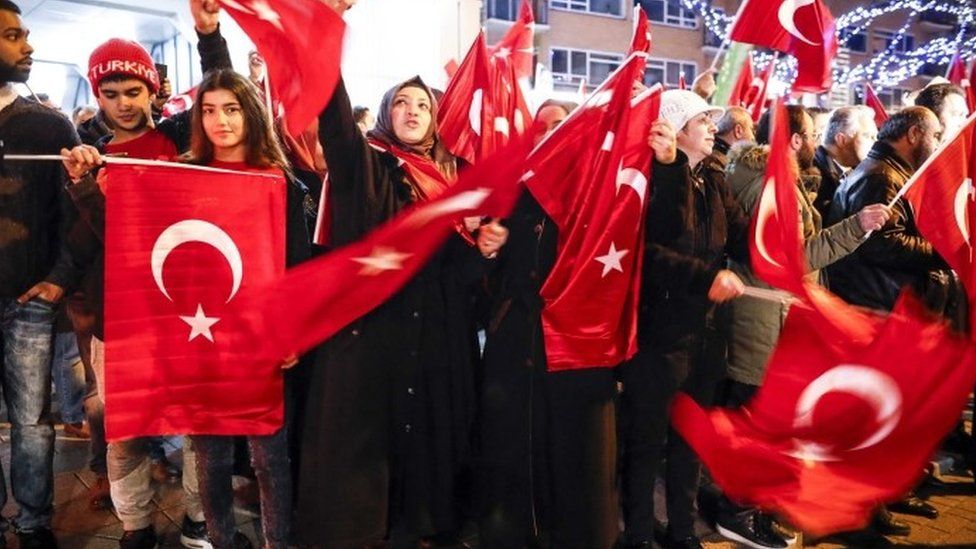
756, 323
830, 175
692, 224
391, 396
897, 255
36, 216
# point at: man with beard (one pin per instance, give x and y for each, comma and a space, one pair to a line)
35, 269
755, 323
948, 102
850, 133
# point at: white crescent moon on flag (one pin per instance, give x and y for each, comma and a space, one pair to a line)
474, 111
767, 204
196, 230
633, 178
869, 384
963, 196
787, 13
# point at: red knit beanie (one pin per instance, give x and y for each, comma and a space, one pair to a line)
118, 56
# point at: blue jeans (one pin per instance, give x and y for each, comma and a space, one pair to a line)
26, 340
215, 463
69, 377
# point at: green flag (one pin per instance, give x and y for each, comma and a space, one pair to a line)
729, 73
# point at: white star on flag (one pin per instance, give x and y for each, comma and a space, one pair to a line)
381, 259
611, 261
503, 53
266, 13
200, 324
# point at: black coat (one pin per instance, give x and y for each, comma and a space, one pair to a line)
830, 176
391, 395
897, 255
693, 224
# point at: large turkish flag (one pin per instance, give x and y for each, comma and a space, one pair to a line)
181, 245
839, 425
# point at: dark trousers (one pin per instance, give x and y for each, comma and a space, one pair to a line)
215, 463
547, 467
689, 363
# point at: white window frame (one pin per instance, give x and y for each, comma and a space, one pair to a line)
668, 6
574, 79
663, 62
585, 5
884, 35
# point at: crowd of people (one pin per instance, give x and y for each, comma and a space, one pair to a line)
404, 430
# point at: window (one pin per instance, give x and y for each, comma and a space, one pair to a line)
668, 72
712, 39
603, 7
571, 66
885, 39
856, 42
670, 12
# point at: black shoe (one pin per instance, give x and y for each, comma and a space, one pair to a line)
867, 538
914, 505
886, 524
690, 542
241, 541
193, 535
144, 538
38, 538
752, 529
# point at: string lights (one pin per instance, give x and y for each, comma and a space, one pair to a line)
899, 61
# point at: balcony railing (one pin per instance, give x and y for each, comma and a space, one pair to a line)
508, 10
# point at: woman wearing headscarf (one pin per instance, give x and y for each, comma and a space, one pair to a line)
390, 405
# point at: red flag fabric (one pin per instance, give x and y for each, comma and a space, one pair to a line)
641, 41
591, 177
837, 428
803, 28
941, 193
871, 99
739, 97
682, 85
758, 92
972, 87
314, 300
179, 103
957, 75
776, 242
301, 41
451, 68
466, 114
516, 47
179, 253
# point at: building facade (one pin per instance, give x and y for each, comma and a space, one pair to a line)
587, 39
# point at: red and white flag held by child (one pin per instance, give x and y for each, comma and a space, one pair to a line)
180, 252
301, 41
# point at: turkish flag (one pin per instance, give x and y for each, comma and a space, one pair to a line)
316, 299
451, 68
941, 193
803, 28
957, 75
466, 114
516, 47
838, 427
776, 242
180, 251
871, 99
301, 41
641, 41
179, 103
591, 177
739, 97
972, 87
756, 98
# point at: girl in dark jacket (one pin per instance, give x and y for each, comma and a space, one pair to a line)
391, 395
232, 130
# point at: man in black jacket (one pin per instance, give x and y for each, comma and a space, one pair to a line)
35, 269
851, 132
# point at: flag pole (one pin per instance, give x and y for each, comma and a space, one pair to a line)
728, 35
